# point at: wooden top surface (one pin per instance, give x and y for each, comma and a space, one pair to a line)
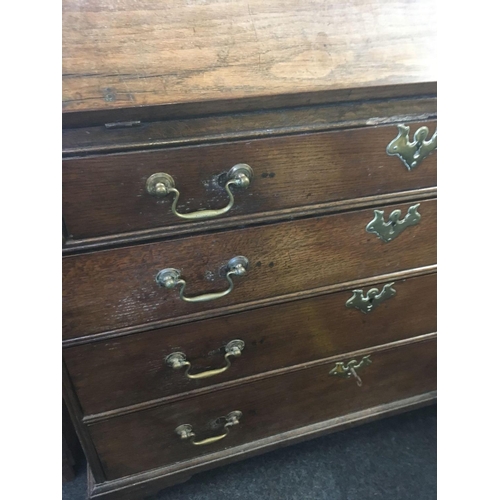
129, 53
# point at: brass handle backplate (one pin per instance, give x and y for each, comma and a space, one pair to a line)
170, 278
185, 431
177, 360
372, 299
412, 153
161, 185
348, 370
387, 231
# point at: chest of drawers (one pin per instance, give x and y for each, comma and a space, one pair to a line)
249, 233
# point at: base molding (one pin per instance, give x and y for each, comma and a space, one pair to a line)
150, 482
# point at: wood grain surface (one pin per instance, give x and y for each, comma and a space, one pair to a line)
252, 124
130, 53
131, 370
106, 195
138, 486
113, 289
305, 77
146, 440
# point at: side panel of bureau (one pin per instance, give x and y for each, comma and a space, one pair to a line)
147, 439
130, 370
114, 289
107, 194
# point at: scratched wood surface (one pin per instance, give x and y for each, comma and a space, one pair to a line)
128, 53
114, 289
145, 440
85, 141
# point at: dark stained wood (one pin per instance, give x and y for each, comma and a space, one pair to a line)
224, 127
92, 419
308, 93
150, 482
254, 304
138, 490
75, 413
289, 401
116, 288
72, 246
283, 103
140, 53
131, 370
107, 195
71, 450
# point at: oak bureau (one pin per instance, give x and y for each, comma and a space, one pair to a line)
249, 227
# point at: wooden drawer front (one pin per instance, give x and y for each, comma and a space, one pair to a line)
107, 195
131, 370
117, 288
145, 440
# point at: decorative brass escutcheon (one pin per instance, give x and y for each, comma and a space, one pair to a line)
412, 153
177, 360
372, 299
391, 229
170, 278
347, 370
161, 185
185, 431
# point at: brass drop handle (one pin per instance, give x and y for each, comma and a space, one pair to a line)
170, 278
177, 360
161, 185
348, 370
185, 431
